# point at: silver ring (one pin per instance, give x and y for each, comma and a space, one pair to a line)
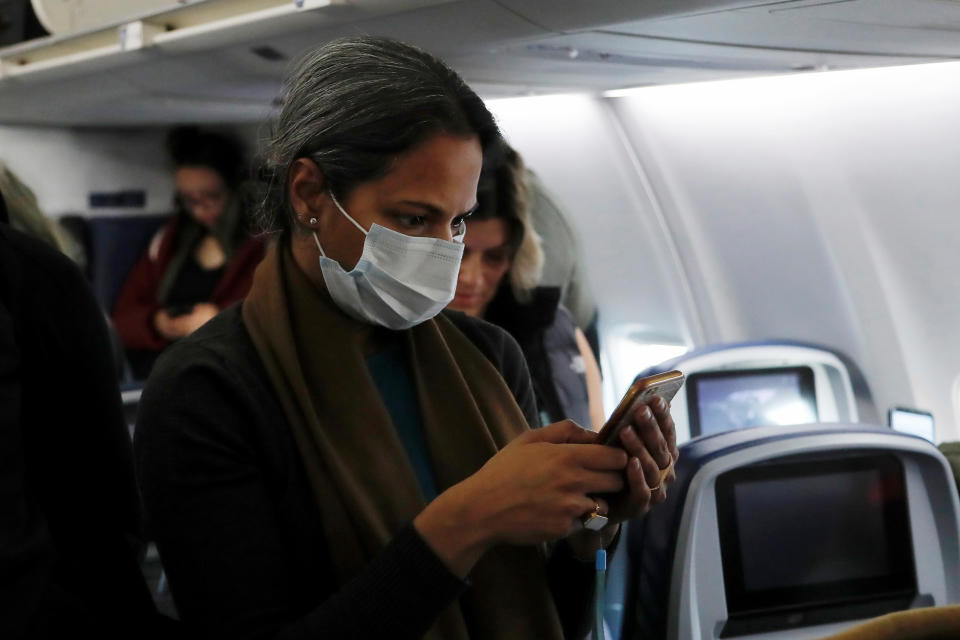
594, 521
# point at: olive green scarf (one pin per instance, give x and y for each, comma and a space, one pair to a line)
364, 484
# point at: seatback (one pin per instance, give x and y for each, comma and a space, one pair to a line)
684, 574
836, 385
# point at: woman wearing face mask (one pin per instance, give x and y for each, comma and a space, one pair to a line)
499, 272
335, 459
201, 261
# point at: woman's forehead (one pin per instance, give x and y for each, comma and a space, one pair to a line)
197, 177
483, 235
442, 172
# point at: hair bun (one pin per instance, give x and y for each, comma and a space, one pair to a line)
191, 146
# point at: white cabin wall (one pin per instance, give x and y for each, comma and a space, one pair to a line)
822, 208
576, 148
62, 166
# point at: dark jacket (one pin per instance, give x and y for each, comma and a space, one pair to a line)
546, 332
69, 506
238, 528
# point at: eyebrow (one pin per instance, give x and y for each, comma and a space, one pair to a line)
436, 211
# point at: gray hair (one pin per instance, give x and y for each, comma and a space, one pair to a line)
353, 106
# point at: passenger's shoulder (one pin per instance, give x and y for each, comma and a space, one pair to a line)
222, 345
39, 267
495, 342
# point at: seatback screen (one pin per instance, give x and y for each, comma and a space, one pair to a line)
796, 535
726, 400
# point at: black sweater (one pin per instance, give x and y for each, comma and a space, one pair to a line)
69, 509
238, 528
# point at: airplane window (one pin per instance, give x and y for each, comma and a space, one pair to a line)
913, 421
627, 352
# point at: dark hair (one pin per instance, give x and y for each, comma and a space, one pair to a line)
502, 194
192, 147
353, 106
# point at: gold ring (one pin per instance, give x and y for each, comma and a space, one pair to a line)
656, 488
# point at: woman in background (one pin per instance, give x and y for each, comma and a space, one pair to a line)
200, 262
501, 266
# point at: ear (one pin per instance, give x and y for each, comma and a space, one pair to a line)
306, 186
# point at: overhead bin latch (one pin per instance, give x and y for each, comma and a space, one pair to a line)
307, 5
137, 35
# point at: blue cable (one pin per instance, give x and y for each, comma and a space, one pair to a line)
599, 598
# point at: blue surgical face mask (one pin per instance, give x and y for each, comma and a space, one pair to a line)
399, 281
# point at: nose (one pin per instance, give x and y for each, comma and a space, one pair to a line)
470, 273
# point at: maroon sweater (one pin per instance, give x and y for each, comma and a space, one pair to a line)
137, 304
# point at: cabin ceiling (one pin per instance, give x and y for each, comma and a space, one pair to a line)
503, 47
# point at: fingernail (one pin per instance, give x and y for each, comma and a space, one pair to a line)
635, 463
646, 413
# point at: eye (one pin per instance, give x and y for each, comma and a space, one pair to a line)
411, 221
458, 222
495, 257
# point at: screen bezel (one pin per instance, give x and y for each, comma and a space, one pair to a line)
900, 581
804, 378
917, 412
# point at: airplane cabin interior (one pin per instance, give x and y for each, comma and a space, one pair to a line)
764, 196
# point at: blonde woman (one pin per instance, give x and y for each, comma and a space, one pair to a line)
501, 266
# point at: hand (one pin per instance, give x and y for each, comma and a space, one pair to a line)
651, 443
534, 490
166, 326
176, 327
202, 313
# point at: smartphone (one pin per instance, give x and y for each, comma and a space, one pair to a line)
642, 391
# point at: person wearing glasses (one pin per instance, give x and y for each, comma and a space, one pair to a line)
200, 262
338, 457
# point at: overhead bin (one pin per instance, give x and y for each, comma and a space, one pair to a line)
575, 15
224, 59
69, 16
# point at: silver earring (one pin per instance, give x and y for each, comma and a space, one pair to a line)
313, 221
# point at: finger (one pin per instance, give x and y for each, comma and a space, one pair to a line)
582, 435
670, 478
560, 433
648, 429
631, 442
603, 505
661, 411
651, 472
590, 482
658, 496
597, 457
639, 489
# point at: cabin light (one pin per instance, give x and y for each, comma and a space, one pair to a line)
797, 74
